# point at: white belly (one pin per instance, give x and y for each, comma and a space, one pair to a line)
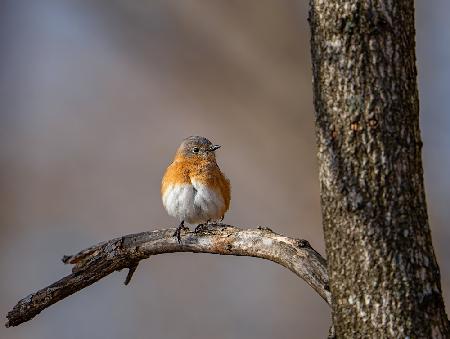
194, 203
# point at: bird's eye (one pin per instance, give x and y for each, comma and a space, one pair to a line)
195, 150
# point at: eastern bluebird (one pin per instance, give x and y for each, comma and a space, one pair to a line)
193, 189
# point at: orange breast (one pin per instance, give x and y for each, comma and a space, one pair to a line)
184, 171
176, 173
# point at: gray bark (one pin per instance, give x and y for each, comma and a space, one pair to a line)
98, 261
384, 278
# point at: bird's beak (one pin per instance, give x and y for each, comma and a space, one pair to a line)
213, 148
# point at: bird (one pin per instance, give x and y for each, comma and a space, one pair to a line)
194, 189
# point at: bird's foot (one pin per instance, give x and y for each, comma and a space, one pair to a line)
201, 227
177, 233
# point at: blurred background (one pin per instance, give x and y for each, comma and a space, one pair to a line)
95, 97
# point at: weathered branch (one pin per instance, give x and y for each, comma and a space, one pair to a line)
98, 261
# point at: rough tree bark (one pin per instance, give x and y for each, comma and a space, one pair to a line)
384, 278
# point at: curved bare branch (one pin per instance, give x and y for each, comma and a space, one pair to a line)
98, 261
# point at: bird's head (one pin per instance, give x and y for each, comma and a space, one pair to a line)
197, 148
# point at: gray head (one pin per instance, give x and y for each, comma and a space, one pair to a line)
197, 146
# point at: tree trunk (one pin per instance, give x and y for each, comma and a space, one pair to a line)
384, 278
